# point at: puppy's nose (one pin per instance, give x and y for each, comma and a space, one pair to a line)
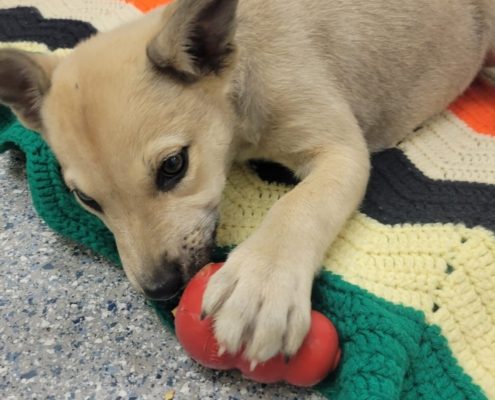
168, 282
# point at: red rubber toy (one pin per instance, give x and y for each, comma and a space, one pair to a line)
319, 354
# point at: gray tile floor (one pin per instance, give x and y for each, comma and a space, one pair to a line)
71, 327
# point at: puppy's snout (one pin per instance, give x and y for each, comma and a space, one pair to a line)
167, 283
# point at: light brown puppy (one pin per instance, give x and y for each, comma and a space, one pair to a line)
146, 120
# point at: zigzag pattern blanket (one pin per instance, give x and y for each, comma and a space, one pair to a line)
409, 283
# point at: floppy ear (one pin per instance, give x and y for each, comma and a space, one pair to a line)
196, 40
24, 80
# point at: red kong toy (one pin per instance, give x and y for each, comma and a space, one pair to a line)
319, 354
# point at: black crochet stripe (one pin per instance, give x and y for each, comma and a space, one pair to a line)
27, 24
399, 193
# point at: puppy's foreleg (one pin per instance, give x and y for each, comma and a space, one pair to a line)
261, 297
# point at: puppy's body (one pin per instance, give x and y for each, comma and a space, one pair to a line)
315, 85
393, 63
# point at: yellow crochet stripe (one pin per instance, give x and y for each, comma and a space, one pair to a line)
448, 149
446, 271
32, 46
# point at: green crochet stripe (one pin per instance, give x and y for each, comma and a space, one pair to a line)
389, 351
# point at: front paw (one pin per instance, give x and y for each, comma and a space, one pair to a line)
259, 304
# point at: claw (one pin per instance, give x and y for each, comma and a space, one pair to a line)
221, 351
253, 365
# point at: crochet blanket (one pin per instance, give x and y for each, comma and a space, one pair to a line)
409, 283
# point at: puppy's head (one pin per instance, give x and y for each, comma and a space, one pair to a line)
140, 121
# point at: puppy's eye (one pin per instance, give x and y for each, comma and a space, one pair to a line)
88, 201
173, 165
172, 170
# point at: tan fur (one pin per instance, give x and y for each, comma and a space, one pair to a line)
315, 85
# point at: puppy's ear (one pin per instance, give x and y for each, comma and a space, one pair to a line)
24, 80
196, 40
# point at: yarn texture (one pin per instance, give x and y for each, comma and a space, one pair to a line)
410, 281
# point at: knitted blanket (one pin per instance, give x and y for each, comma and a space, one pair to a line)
409, 283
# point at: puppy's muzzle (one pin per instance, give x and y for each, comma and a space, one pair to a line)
170, 277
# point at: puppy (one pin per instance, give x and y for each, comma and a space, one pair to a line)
145, 121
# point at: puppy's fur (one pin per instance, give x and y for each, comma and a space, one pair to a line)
315, 85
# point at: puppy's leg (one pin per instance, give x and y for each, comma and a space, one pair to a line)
261, 297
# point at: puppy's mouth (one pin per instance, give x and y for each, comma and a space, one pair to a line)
198, 259
173, 275
174, 298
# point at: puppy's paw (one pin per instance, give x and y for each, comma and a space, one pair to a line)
259, 305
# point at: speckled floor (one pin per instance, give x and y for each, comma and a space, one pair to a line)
71, 326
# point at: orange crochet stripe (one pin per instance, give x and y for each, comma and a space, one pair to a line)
147, 5
476, 107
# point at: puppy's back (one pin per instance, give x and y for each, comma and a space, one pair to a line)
396, 63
